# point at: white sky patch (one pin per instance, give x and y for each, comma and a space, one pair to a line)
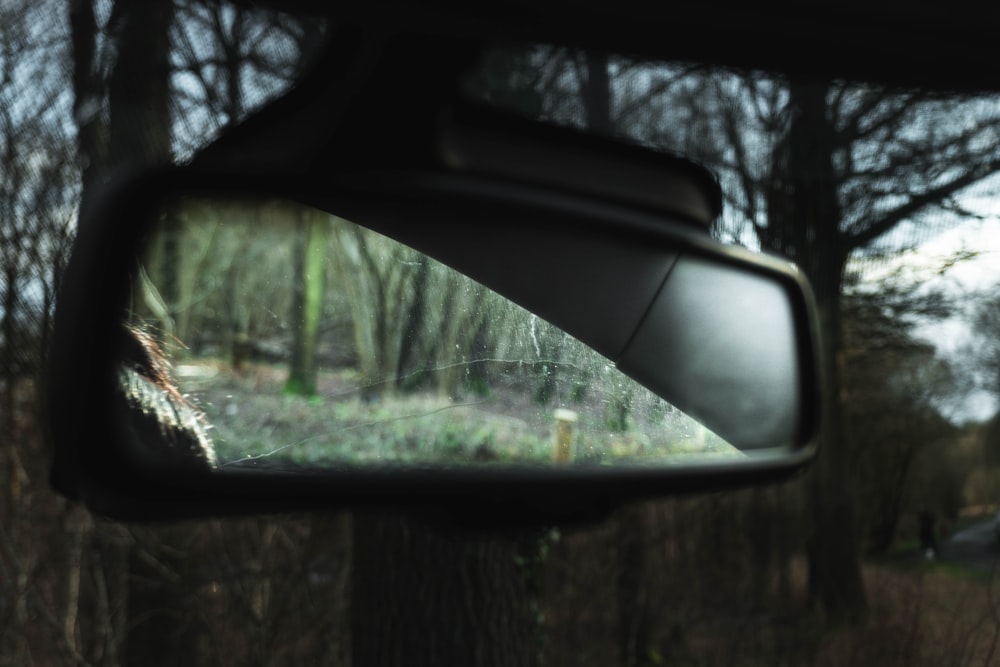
968, 280
962, 262
979, 238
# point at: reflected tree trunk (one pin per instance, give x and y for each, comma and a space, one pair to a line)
414, 322
307, 303
380, 279
463, 314
358, 276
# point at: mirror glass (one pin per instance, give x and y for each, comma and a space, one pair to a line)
296, 338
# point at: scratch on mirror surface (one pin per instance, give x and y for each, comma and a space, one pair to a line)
534, 338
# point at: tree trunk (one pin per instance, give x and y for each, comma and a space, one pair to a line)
307, 304
597, 94
803, 223
633, 616
412, 329
87, 98
163, 627
139, 90
160, 622
361, 282
423, 597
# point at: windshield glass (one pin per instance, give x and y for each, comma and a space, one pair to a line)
888, 199
883, 553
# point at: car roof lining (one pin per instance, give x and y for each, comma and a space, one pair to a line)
897, 43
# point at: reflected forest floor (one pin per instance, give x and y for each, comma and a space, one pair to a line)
252, 418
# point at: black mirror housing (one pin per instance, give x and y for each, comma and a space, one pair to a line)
728, 336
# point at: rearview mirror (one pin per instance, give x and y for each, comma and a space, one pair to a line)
264, 350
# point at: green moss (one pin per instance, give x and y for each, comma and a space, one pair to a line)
298, 386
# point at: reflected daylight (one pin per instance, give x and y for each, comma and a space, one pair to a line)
307, 340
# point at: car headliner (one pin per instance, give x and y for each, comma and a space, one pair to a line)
947, 46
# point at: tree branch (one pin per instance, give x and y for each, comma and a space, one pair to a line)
657, 89
919, 202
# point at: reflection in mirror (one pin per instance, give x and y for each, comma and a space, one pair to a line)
307, 340
153, 411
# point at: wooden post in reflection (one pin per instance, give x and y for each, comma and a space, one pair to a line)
563, 450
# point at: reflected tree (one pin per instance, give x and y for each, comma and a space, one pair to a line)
377, 276
309, 286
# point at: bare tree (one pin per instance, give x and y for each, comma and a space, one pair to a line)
844, 167
37, 190
377, 275
818, 172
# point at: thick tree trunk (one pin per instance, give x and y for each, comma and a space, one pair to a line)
804, 224
161, 623
139, 92
88, 99
163, 627
834, 559
633, 616
423, 597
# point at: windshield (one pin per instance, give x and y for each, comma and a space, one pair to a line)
883, 554
887, 199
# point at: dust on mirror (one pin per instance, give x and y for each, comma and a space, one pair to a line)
267, 333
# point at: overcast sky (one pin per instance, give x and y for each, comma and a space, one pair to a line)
965, 281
